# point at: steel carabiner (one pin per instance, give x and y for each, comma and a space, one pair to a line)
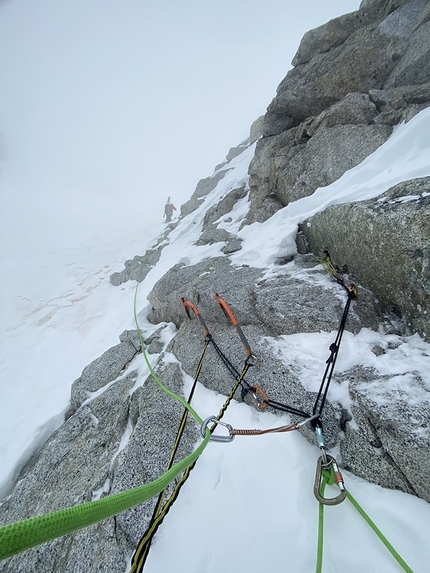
320, 481
214, 437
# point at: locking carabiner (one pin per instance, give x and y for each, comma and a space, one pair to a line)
321, 481
214, 437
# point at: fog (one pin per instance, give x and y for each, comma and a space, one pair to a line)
107, 107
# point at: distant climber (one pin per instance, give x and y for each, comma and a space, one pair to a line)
168, 210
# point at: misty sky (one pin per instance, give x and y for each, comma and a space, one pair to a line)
110, 105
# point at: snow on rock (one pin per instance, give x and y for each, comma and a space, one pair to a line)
248, 505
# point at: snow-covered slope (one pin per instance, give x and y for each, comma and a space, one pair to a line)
249, 505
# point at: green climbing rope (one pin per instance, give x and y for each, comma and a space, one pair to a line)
328, 478
380, 535
22, 535
180, 399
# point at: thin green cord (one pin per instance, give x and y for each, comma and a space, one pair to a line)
328, 478
153, 374
379, 533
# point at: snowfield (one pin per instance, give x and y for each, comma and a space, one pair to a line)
248, 506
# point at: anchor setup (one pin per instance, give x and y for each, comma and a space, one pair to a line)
326, 462
327, 469
22, 535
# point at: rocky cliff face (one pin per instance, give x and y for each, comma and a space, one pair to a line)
385, 242
353, 80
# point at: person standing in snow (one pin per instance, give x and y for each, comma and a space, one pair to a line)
168, 210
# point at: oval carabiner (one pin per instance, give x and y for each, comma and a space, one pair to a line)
215, 438
321, 482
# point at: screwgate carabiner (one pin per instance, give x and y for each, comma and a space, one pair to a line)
215, 438
338, 478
